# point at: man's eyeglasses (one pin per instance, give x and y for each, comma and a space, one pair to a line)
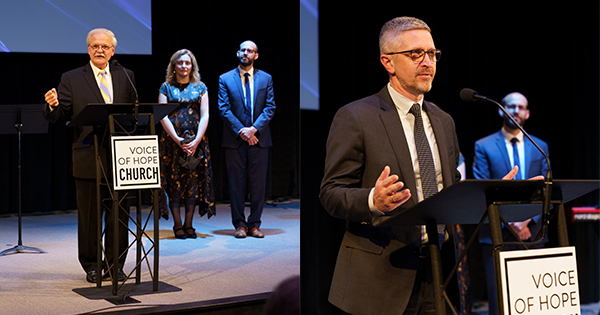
417, 55
96, 47
517, 107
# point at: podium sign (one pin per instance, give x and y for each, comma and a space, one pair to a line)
540, 281
136, 163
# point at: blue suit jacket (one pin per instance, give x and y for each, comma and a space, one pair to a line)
231, 107
492, 162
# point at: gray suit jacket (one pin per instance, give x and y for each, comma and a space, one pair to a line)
376, 267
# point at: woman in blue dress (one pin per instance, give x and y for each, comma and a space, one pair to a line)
186, 170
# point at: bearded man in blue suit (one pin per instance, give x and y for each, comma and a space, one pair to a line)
497, 154
246, 106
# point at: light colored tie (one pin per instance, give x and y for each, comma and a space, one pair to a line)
104, 88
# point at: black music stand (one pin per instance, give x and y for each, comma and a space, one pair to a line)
22, 119
473, 202
125, 116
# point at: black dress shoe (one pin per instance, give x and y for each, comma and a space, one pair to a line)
192, 234
91, 276
182, 236
121, 276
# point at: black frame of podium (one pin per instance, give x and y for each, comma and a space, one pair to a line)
124, 116
26, 119
486, 201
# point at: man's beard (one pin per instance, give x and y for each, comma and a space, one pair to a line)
509, 123
246, 63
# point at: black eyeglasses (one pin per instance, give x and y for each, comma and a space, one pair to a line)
417, 55
104, 47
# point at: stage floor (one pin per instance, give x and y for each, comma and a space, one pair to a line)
214, 267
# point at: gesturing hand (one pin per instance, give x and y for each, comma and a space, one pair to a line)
51, 97
514, 172
387, 195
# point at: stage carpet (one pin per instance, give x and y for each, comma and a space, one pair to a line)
212, 273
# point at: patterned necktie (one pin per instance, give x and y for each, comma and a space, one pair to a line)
248, 108
516, 160
426, 165
104, 88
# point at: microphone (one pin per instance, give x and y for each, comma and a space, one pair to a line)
469, 95
116, 63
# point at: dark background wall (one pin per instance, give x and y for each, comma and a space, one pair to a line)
212, 30
548, 52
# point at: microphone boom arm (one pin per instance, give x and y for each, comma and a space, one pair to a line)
470, 95
136, 106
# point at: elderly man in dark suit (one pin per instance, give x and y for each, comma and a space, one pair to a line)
246, 105
495, 155
96, 82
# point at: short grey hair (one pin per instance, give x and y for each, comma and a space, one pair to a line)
391, 29
106, 32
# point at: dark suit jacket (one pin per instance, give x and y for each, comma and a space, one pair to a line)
77, 89
376, 267
492, 162
231, 107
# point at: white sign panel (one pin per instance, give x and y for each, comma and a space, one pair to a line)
135, 162
540, 281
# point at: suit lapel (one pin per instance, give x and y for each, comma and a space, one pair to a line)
530, 150
238, 83
395, 132
256, 80
501, 146
88, 75
439, 134
116, 83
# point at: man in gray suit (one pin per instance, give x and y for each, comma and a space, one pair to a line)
373, 169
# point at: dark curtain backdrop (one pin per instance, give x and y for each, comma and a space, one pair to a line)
547, 52
212, 30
